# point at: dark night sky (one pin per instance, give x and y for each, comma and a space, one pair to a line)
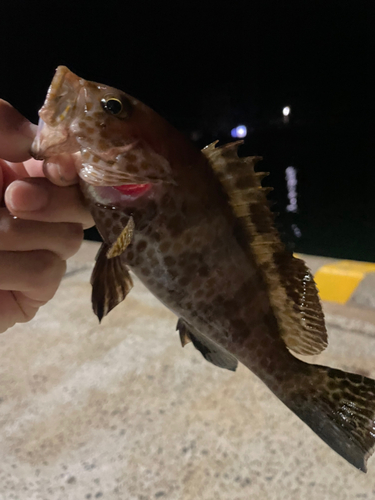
207, 66
314, 55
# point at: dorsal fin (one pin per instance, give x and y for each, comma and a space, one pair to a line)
293, 294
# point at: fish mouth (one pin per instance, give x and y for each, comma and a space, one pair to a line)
114, 197
65, 86
133, 190
53, 135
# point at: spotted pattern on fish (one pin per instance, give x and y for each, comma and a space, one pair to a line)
204, 243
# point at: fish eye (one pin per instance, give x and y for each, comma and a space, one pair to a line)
116, 107
112, 105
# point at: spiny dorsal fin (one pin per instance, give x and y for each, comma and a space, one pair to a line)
293, 294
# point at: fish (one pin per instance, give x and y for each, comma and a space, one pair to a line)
196, 228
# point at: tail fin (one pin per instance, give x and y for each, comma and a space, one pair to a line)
340, 408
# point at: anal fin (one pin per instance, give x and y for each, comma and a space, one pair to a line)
111, 282
209, 349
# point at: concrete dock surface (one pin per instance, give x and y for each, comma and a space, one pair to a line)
121, 411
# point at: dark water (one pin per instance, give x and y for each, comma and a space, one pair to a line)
336, 202
335, 191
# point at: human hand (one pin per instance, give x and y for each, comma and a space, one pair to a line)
42, 217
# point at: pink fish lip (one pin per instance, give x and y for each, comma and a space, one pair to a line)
111, 197
133, 190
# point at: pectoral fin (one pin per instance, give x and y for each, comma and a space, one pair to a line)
209, 349
111, 282
123, 241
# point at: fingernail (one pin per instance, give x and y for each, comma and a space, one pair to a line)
25, 197
52, 171
59, 168
64, 174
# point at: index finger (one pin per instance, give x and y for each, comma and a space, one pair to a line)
16, 134
60, 204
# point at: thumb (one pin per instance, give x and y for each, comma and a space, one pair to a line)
16, 134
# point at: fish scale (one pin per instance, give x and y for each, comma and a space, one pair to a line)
196, 228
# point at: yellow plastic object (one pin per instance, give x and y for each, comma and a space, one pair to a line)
336, 282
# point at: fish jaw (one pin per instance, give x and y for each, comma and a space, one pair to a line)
63, 102
51, 141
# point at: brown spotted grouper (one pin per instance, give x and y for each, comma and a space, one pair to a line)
195, 227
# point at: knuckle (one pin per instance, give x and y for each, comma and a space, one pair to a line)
72, 240
48, 269
27, 315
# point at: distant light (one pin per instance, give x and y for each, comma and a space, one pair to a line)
286, 111
239, 132
291, 184
296, 231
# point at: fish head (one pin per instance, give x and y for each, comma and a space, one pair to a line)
106, 127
